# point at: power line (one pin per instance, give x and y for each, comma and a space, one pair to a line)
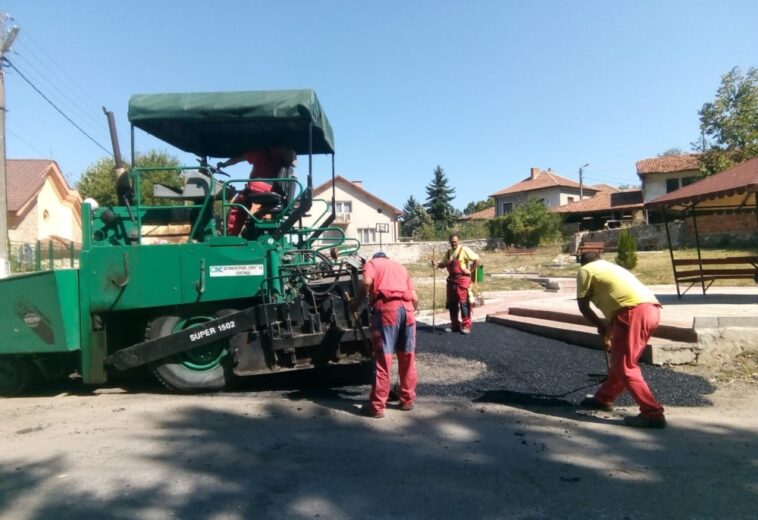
50, 58
6, 60
66, 97
42, 154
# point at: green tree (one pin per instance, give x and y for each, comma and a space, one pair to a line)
529, 224
729, 124
98, 180
438, 198
414, 218
473, 207
627, 250
671, 152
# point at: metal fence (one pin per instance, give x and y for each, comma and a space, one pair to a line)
42, 255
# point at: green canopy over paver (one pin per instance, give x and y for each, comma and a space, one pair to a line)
226, 124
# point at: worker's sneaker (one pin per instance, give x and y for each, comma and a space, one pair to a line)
644, 421
465, 332
368, 411
450, 330
590, 403
406, 407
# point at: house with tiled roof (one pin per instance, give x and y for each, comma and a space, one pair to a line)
485, 214
608, 208
359, 213
661, 175
544, 185
41, 205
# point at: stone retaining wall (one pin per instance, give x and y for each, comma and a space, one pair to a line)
410, 252
652, 237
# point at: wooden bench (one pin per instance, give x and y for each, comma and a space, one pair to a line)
705, 271
589, 247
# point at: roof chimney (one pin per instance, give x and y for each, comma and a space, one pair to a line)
535, 172
358, 183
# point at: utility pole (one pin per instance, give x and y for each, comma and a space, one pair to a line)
581, 180
7, 35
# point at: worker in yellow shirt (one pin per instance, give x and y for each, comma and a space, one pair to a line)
460, 262
632, 313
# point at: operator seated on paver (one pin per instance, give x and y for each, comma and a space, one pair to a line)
268, 163
393, 302
632, 313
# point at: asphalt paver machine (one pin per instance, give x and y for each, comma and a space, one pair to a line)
199, 307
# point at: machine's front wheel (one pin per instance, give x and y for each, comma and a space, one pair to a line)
15, 375
205, 368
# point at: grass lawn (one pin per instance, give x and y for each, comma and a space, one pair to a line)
653, 268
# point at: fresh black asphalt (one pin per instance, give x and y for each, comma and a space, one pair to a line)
530, 368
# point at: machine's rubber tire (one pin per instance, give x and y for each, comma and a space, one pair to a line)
203, 369
16, 374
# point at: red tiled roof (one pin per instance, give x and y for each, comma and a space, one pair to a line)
338, 179
24, 179
728, 188
485, 214
603, 201
542, 180
604, 187
672, 164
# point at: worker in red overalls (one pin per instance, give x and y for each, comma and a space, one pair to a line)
393, 302
266, 163
460, 262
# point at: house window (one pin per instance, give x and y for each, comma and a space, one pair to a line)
367, 235
342, 207
672, 185
688, 180
570, 200
507, 207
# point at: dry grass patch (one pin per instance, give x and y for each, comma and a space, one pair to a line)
653, 268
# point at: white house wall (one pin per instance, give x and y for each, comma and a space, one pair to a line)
60, 220
654, 185
364, 214
26, 230
555, 196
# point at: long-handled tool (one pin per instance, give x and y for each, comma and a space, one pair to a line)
359, 328
434, 289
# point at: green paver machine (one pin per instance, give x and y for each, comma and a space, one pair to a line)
205, 307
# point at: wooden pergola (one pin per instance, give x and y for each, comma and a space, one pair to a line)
732, 191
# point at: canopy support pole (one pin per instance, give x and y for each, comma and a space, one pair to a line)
697, 244
671, 250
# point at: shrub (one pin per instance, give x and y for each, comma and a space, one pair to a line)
529, 225
627, 250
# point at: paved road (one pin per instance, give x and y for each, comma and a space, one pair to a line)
492, 436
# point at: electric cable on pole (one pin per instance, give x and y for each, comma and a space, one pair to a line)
7, 35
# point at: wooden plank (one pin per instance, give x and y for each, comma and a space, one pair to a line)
752, 260
717, 272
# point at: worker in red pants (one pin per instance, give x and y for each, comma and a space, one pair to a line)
460, 262
633, 314
393, 302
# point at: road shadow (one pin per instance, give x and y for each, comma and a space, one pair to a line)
283, 461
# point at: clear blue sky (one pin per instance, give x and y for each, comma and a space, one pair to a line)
486, 89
